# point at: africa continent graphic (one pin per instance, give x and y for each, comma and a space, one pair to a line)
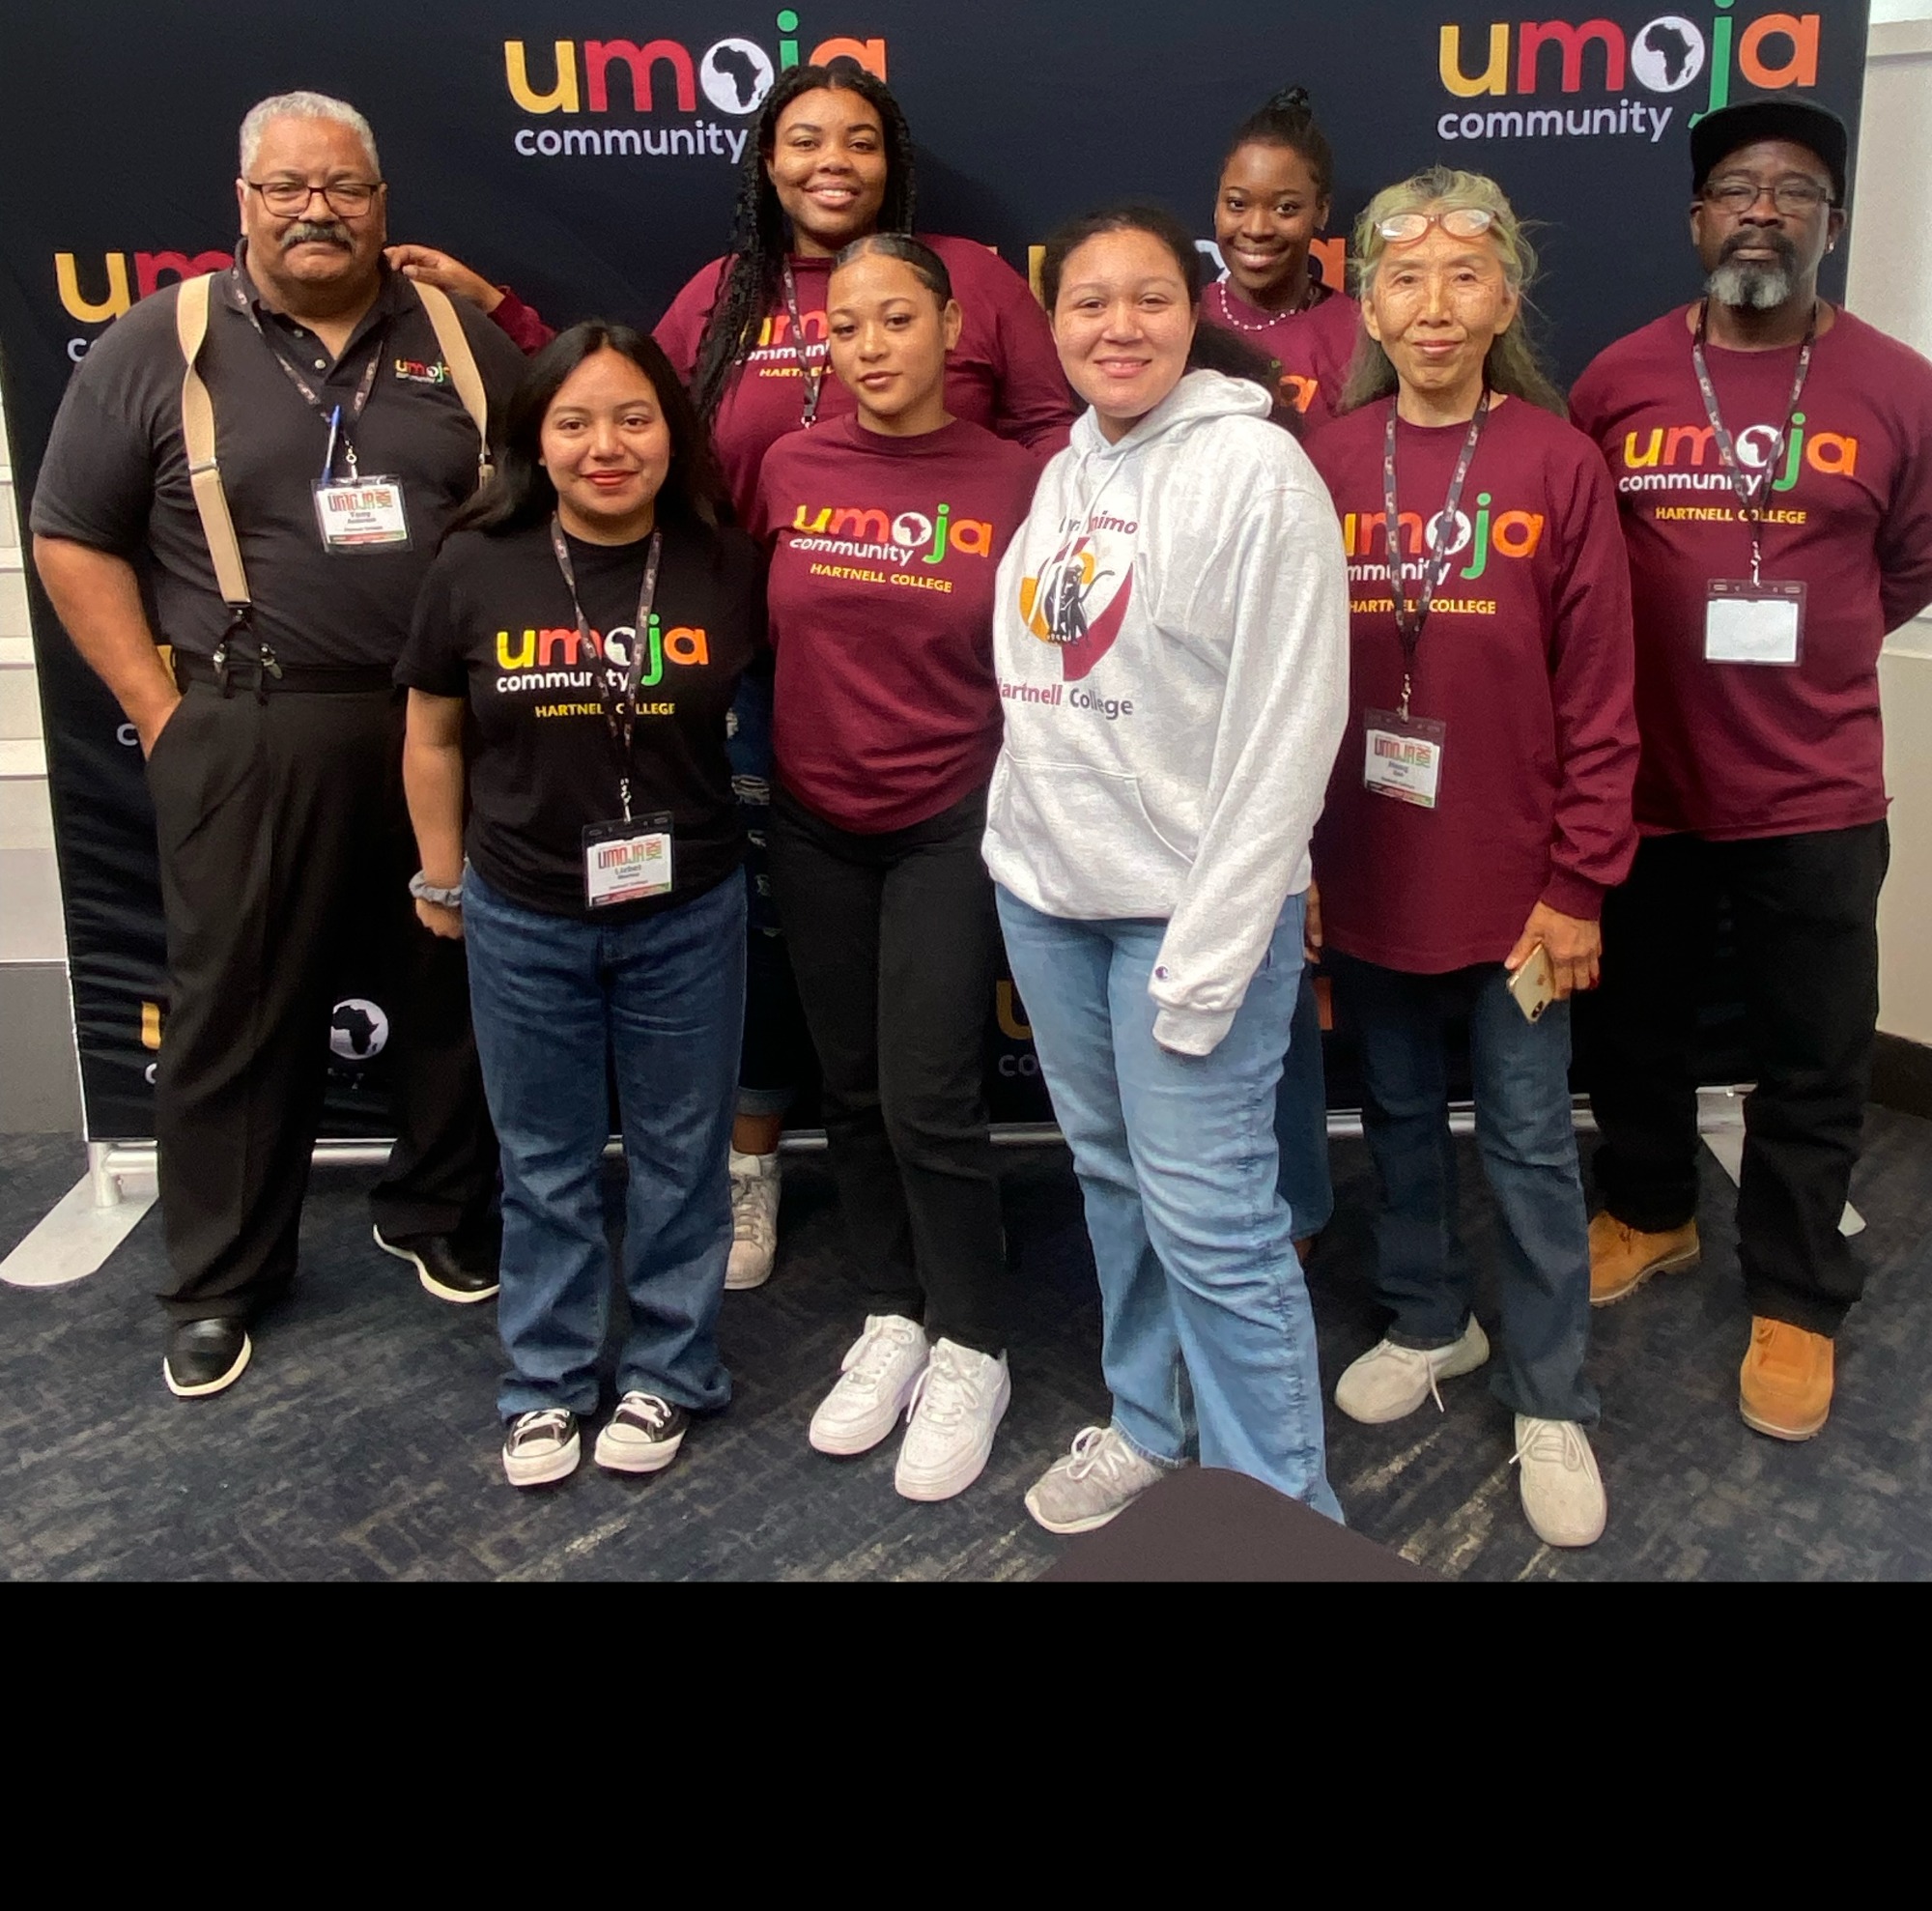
736, 75
1668, 54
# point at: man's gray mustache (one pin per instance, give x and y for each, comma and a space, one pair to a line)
1777, 242
316, 234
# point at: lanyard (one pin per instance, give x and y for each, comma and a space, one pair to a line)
1409, 618
812, 374
331, 414
620, 713
1751, 488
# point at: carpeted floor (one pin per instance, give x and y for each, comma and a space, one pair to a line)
362, 1444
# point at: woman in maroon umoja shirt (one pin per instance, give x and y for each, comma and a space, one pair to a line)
1479, 808
886, 527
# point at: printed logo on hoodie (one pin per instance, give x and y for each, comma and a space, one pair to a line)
1080, 595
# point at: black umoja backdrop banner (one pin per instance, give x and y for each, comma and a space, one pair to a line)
583, 151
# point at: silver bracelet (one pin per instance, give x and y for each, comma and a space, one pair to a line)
425, 891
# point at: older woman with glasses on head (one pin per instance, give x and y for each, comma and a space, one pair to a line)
1478, 811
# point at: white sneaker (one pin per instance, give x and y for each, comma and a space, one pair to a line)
755, 1220
875, 1384
956, 1405
1562, 1491
1389, 1380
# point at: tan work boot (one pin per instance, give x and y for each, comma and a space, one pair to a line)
1784, 1387
1622, 1258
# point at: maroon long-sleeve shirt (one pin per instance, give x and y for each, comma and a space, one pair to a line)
884, 557
1748, 749
1526, 659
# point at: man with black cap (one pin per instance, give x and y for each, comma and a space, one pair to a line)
255, 469
1772, 458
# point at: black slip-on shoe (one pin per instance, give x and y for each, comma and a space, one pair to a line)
204, 1356
450, 1266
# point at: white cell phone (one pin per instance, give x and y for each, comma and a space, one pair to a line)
1533, 986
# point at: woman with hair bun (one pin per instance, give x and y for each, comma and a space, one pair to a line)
886, 529
1478, 811
830, 160
1276, 186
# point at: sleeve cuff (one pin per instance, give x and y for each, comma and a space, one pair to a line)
524, 326
1572, 895
1191, 1031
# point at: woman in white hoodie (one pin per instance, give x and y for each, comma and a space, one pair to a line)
1171, 639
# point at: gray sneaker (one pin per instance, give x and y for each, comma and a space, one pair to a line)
1100, 1477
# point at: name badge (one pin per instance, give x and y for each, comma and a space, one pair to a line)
362, 514
625, 861
1405, 757
1753, 623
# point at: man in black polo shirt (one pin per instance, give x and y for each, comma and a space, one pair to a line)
274, 741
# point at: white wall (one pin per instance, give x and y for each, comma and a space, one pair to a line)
1890, 284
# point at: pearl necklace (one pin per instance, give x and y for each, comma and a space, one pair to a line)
1308, 300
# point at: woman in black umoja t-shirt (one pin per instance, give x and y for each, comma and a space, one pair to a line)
576, 649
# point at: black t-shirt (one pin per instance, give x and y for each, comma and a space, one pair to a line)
116, 478
495, 625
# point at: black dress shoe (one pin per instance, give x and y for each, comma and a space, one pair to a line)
204, 1356
457, 1268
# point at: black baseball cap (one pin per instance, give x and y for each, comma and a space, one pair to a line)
1718, 136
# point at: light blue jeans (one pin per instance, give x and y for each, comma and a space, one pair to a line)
1177, 1160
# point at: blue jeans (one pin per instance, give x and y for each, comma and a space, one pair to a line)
1528, 1144
1175, 1155
662, 1000
1301, 1120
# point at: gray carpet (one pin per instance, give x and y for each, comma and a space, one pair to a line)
362, 1442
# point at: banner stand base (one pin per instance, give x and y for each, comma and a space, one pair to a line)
89, 1221
99, 1213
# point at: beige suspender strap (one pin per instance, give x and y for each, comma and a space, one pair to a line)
198, 435
462, 362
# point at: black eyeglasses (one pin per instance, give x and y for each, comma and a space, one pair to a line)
1794, 196
345, 197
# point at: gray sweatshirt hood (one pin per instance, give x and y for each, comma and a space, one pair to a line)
1198, 399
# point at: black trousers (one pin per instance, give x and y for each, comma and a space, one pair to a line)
285, 847
895, 944
1805, 910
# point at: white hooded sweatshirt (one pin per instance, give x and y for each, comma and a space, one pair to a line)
1171, 635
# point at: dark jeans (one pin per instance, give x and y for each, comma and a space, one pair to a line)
775, 1058
284, 846
1301, 1120
895, 943
1805, 912
1528, 1144
662, 998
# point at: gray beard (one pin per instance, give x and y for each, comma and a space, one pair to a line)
1750, 287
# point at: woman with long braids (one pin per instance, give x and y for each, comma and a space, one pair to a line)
830, 162
1276, 186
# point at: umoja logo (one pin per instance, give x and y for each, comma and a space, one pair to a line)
733, 73
1066, 605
